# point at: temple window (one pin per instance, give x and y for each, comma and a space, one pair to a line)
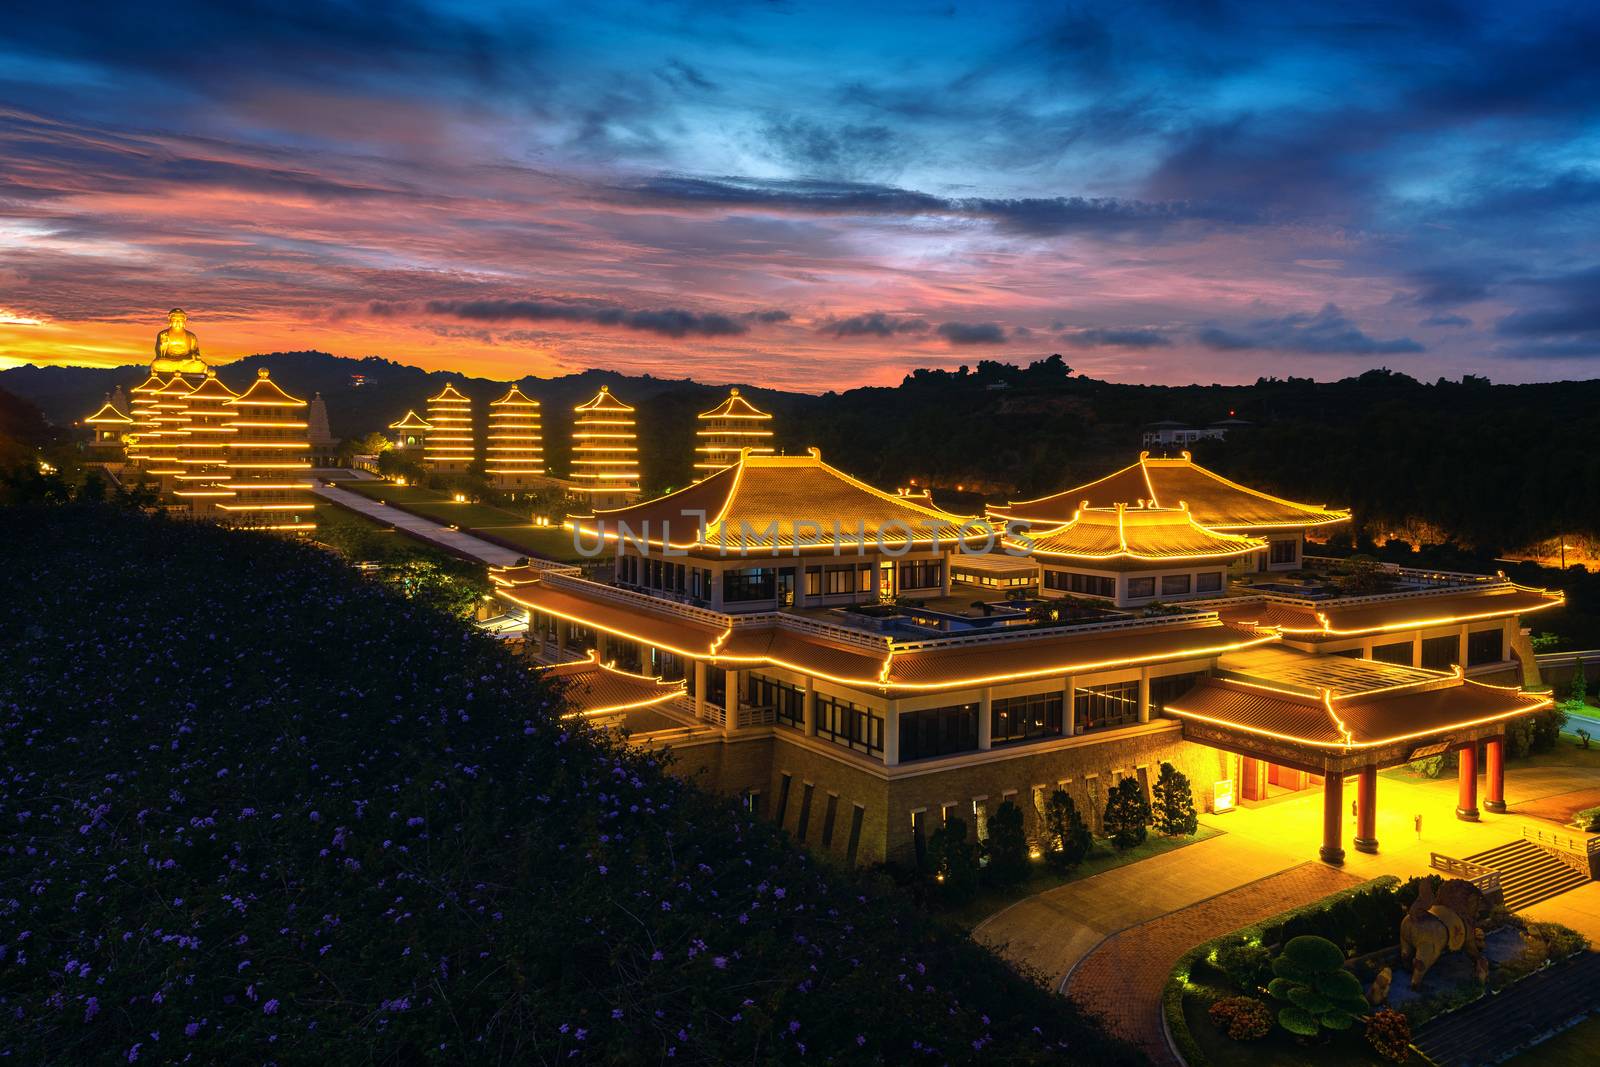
1174, 584
1208, 582
1285, 551
1024, 718
1141, 588
1100, 706
1485, 646
849, 725
1440, 653
938, 731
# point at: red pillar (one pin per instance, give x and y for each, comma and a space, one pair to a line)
1467, 794
1495, 757
1367, 810
1332, 818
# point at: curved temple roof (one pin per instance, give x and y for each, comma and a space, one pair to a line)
594, 688
771, 504
412, 421
735, 407
1215, 502
1381, 614
1133, 533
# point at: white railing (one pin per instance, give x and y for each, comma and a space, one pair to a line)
1485, 878
1563, 659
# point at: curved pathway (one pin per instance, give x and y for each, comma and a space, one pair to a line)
435, 533
1121, 979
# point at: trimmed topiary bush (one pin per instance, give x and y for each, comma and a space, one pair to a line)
1173, 807
1241, 1018
1247, 964
1317, 992
954, 862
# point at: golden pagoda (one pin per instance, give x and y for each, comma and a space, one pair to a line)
410, 431
727, 430
161, 445
203, 456
110, 428
514, 457
450, 448
605, 452
142, 410
266, 451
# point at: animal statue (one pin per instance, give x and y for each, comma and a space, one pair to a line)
1379, 991
1446, 921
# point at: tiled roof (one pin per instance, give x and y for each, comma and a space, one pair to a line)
735, 407
449, 394
515, 397
593, 688
1283, 667
1352, 722
1134, 533
1214, 501
767, 503
212, 389
1362, 615
674, 633
604, 400
412, 421
108, 414
264, 392
1043, 655
779, 647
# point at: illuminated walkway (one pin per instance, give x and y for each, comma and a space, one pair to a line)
1121, 979
454, 541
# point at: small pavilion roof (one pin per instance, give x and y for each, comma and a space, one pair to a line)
1215, 502
782, 503
593, 688
108, 415
514, 397
264, 392
412, 421
1358, 720
735, 407
1385, 613
604, 400
1138, 533
153, 384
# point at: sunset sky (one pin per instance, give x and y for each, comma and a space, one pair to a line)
808, 195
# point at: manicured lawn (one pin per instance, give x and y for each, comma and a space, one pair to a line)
511, 527
1103, 858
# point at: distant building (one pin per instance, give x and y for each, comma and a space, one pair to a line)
514, 456
1168, 433
450, 447
605, 451
726, 430
324, 446
410, 433
111, 427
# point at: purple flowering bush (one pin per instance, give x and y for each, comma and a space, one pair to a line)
259, 809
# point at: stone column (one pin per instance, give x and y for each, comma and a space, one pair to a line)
1461, 647
891, 734
1069, 706
1332, 851
699, 689
730, 701
1467, 791
1144, 694
563, 631
1495, 758
1367, 810
808, 708
985, 725
1416, 649
602, 645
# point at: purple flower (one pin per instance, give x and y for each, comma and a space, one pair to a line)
270, 1007
91, 1008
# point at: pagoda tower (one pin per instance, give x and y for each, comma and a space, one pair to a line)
266, 460
727, 430
605, 451
203, 456
162, 445
110, 426
142, 410
514, 458
318, 432
410, 432
450, 448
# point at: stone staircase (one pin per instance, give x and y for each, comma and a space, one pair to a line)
1489, 1030
1528, 873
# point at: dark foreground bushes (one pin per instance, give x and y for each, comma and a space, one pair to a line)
259, 809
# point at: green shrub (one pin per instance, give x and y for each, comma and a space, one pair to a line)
1248, 964
954, 862
1008, 845
1317, 992
1241, 1018
1067, 836
1173, 810
1127, 814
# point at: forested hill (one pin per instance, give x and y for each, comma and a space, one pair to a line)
1496, 466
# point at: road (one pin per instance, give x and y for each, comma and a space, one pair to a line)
454, 541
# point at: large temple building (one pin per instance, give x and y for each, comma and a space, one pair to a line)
857, 665
727, 430
514, 457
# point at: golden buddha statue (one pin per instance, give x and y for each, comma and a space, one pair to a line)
177, 349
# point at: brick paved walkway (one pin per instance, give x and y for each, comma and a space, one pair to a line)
1121, 979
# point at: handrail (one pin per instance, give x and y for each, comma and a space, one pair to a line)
1577, 844
1485, 878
